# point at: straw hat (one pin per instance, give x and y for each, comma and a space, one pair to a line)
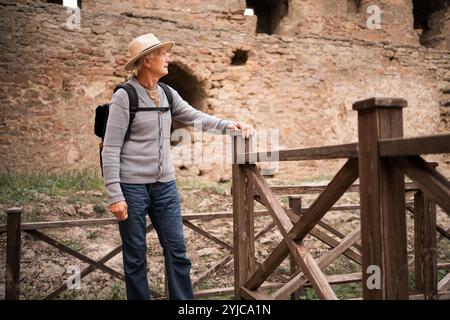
143, 45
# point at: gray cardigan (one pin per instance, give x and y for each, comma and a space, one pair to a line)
145, 157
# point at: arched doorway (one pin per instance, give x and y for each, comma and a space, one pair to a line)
269, 13
187, 85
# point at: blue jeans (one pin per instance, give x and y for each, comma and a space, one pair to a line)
161, 202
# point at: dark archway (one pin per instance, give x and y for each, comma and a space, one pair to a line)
269, 13
186, 84
429, 16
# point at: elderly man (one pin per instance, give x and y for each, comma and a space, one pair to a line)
138, 170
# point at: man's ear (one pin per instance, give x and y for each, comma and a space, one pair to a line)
147, 62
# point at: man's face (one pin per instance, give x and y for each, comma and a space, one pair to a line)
159, 62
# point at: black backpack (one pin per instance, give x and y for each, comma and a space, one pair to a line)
102, 112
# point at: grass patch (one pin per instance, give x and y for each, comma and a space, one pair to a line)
117, 291
348, 290
74, 245
92, 235
18, 188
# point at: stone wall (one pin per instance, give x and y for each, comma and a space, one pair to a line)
304, 85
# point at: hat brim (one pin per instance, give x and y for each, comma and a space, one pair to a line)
130, 64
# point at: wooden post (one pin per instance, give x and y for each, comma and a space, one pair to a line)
243, 217
383, 219
425, 246
295, 203
12, 274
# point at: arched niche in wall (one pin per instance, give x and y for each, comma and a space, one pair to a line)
187, 85
269, 13
429, 16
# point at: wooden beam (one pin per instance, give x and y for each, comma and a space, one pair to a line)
53, 294
75, 253
336, 188
301, 255
433, 184
342, 151
444, 284
325, 260
243, 218
330, 241
13, 248
425, 249
382, 188
219, 264
199, 294
317, 189
295, 209
209, 236
395, 147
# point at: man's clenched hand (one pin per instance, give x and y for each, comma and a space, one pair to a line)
120, 210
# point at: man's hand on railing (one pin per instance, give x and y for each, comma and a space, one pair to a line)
120, 210
247, 129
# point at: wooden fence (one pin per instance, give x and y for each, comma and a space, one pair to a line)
380, 160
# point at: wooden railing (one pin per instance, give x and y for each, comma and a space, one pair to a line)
380, 160
381, 153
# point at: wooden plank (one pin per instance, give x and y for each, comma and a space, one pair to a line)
433, 184
336, 232
425, 249
243, 219
278, 214
325, 260
336, 188
317, 189
299, 252
349, 253
75, 253
13, 248
108, 221
209, 236
342, 151
444, 284
325, 238
314, 274
344, 278
357, 276
67, 223
295, 206
219, 264
53, 294
395, 147
379, 102
444, 233
382, 187
214, 292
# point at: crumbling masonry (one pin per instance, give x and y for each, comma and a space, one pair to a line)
296, 65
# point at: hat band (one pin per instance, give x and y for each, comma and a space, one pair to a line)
155, 45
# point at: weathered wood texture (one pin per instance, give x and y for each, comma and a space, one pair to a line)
383, 222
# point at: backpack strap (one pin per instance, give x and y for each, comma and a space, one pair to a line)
168, 93
134, 103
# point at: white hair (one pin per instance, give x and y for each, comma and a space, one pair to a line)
140, 63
